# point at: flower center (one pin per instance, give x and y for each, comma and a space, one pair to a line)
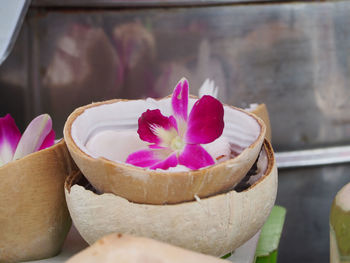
177, 143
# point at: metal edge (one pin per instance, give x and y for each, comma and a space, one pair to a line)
147, 3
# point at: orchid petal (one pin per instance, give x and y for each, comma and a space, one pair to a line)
161, 158
171, 161
208, 88
195, 157
179, 100
157, 128
143, 158
9, 138
34, 136
205, 122
49, 140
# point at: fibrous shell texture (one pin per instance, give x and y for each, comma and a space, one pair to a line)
215, 225
244, 131
34, 219
124, 248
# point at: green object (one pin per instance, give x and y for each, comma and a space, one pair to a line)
266, 251
226, 256
271, 258
340, 221
340, 226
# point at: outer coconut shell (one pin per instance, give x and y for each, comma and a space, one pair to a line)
146, 186
34, 219
262, 113
216, 225
124, 248
340, 226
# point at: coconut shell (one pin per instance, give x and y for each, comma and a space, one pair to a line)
122, 248
147, 186
34, 219
340, 227
215, 225
262, 113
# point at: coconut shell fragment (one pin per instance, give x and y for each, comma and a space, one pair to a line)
262, 113
34, 219
125, 248
215, 225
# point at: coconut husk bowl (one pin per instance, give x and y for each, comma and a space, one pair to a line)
125, 248
244, 131
215, 225
34, 219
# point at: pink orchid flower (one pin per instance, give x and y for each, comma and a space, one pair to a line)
177, 139
37, 136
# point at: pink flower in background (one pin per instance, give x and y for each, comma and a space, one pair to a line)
38, 135
177, 139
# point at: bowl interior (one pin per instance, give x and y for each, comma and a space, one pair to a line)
241, 129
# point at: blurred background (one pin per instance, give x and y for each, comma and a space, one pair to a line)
292, 56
